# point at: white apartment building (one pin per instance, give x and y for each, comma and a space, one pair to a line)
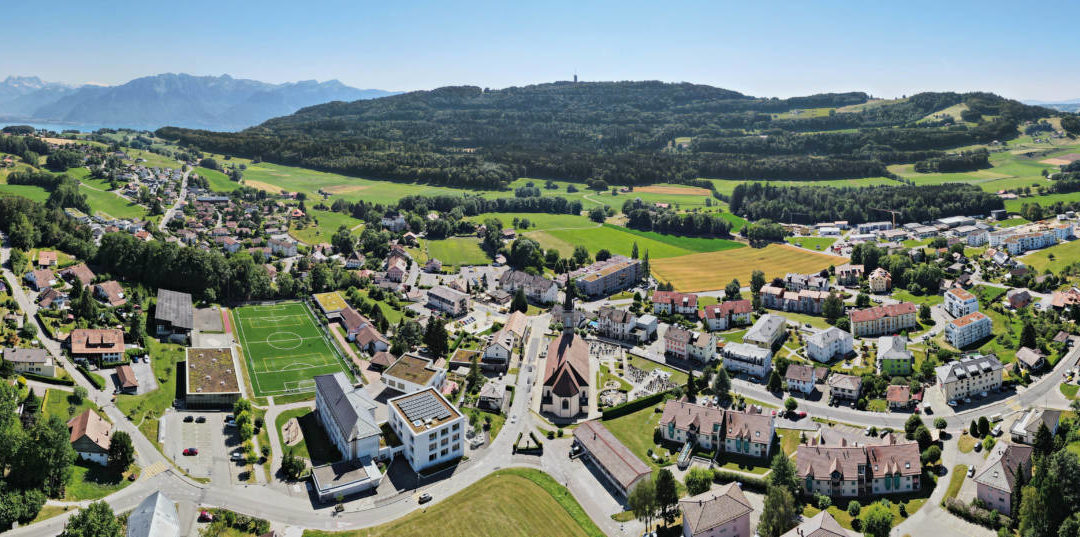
827, 344
959, 302
968, 329
969, 376
411, 373
747, 358
431, 429
347, 414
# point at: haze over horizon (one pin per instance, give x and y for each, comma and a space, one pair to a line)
782, 50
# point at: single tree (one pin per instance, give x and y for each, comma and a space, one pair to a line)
121, 451
721, 384
520, 302
1027, 336
698, 480
973, 429
733, 290
940, 423
757, 281
984, 426
876, 520
642, 501
832, 308
1044, 441
96, 520
775, 384
778, 515
912, 423
667, 493
783, 474
924, 313
435, 337
791, 404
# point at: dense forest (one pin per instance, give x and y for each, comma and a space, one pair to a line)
616, 132
811, 204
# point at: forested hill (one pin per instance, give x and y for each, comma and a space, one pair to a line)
618, 133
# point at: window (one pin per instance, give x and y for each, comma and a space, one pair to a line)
444, 452
431, 457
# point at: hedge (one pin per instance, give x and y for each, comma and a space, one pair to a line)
94, 379
48, 380
976, 515
747, 482
630, 407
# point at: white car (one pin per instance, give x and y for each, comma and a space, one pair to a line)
952, 402
971, 472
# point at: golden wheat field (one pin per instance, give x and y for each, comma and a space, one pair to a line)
713, 270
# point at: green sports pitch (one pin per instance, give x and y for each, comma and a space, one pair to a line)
284, 347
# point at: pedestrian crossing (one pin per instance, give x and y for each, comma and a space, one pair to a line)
154, 469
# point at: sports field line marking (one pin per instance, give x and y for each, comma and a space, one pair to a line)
247, 354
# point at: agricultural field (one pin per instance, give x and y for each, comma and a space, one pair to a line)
620, 240
515, 502
284, 348
1054, 258
112, 204
325, 224
713, 270
1014, 206
452, 252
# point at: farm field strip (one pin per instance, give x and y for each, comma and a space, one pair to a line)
713, 270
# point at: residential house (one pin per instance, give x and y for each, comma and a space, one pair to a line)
960, 302
969, 376
1030, 359
1007, 467
747, 358
79, 274
96, 345
898, 396
50, 298
844, 387
849, 275
616, 463
880, 281
615, 323
812, 282
677, 341
394, 222
285, 247
1027, 425
355, 261
498, 352
46, 259
767, 332
703, 348
969, 329
32, 361
606, 277
433, 266
714, 513
893, 357
538, 289
451, 301
749, 433
851, 471
820, 525
360, 329
727, 314
397, 268
126, 381
800, 378
111, 293
684, 422
90, 436
1017, 298
803, 301
890, 319
491, 396
432, 429
825, 345
669, 302
40, 279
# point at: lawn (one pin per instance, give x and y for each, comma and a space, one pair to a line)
285, 348
300, 449
635, 430
606, 375
1012, 222
1054, 258
620, 240
789, 440
453, 252
325, 224
1014, 206
966, 443
477, 417
713, 270
31, 192
906, 296
90, 481
61, 404
812, 243
1068, 390
513, 502
956, 480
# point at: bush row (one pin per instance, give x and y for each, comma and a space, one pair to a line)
630, 407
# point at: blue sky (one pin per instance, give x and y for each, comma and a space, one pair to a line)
765, 48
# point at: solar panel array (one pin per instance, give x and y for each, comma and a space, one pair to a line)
424, 406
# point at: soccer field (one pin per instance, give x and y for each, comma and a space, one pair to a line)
284, 348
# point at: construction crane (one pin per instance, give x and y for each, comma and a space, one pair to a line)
890, 211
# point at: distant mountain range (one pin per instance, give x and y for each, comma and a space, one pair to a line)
1071, 105
221, 103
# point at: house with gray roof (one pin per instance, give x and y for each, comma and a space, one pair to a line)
997, 480
348, 415
174, 316
724, 511
767, 332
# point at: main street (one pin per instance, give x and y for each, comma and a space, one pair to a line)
179, 200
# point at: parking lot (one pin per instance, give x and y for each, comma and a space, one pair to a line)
205, 431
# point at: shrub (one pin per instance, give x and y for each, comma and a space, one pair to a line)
630, 407
853, 508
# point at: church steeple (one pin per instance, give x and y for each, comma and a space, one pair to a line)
568, 308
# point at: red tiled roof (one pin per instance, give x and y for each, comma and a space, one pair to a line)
879, 312
96, 341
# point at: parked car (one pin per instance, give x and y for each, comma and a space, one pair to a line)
424, 498
237, 456
971, 472
206, 516
952, 402
978, 447
189, 419
801, 414
200, 419
191, 452
997, 431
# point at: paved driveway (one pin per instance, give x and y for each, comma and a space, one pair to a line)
144, 373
